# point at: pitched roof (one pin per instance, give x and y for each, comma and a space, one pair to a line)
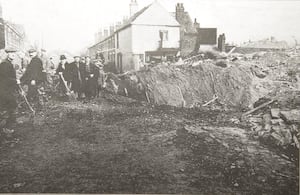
133, 18
129, 21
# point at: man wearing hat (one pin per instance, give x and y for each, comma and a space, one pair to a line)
78, 75
99, 56
8, 88
82, 60
64, 70
34, 76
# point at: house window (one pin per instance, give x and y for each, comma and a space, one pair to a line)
163, 35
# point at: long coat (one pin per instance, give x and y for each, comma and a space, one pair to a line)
34, 71
8, 86
66, 70
78, 76
91, 82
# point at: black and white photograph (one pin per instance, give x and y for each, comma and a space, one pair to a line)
150, 97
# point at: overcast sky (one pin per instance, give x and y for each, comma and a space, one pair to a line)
70, 24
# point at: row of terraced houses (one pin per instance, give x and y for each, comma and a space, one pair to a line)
150, 34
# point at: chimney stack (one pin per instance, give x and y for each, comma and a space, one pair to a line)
221, 42
196, 24
179, 11
105, 33
133, 7
111, 29
118, 25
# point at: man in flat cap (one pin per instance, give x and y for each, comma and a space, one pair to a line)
34, 76
8, 89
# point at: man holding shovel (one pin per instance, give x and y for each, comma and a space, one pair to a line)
34, 77
8, 90
65, 74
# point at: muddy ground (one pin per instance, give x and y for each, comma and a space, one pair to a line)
121, 146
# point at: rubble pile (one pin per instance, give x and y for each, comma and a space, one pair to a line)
186, 86
237, 81
279, 123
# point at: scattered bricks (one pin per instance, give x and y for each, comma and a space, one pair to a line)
291, 117
275, 113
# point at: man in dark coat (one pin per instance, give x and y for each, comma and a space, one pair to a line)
91, 77
8, 89
34, 76
78, 76
64, 70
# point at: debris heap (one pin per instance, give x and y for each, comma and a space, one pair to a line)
187, 86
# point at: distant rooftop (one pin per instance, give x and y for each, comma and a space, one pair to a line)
266, 43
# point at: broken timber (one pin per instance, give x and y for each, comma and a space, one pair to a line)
257, 108
210, 101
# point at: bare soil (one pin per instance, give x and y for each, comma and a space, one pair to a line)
116, 145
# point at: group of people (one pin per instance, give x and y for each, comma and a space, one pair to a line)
82, 77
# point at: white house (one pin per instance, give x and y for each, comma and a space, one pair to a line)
149, 32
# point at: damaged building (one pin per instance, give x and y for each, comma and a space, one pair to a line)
150, 35
191, 35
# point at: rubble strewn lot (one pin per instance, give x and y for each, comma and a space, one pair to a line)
116, 144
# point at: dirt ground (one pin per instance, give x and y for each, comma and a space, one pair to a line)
115, 145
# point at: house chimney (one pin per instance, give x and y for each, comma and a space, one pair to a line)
196, 24
221, 42
133, 7
105, 33
179, 11
111, 30
118, 25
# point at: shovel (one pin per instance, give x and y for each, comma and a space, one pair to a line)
69, 93
26, 100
